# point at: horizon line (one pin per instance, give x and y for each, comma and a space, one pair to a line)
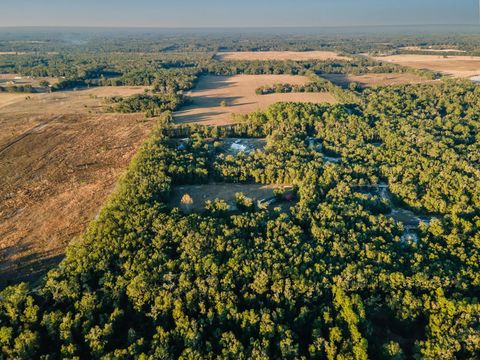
229, 27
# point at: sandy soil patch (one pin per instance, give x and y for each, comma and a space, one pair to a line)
456, 66
238, 92
372, 80
57, 171
280, 55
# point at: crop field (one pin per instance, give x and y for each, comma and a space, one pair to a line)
57, 169
455, 66
279, 55
372, 80
238, 93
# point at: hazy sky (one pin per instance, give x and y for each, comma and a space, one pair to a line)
235, 13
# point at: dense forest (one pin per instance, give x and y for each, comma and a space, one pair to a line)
327, 276
330, 272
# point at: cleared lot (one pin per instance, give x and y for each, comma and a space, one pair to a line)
239, 97
372, 80
57, 169
279, 55
202, 193
456, 66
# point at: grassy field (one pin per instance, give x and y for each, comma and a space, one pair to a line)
58, 164
280, 55
372, 80
238, 93
455, 66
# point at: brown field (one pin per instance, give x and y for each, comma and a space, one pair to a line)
64, 102
279, 55
12, 53
456, 66
7, 80
59, 161
239, 93
372, 80
418, 48
202, 193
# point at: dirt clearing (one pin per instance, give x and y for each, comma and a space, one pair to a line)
372, 80
239, 97
279, 55
202, 193
456, 66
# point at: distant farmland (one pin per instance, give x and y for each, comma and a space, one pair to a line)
456, 66
238, 93
280, 55
372, 80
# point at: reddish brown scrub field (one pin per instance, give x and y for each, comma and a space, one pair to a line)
60, 157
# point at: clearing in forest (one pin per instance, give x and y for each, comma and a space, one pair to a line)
201, 193
279, 55
372, 80
59, 160
217, 98
456, 66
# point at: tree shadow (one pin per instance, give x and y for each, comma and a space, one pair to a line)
27, 268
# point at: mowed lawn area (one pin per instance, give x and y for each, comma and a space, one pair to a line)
217, 98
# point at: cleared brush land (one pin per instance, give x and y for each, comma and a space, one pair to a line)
56, 170
372, 80
202, 193
279, 55
456, 66
217, 98
65, 102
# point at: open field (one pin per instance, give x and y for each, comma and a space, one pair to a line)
418, 48
239, 94
26, 80
64, 102
456, 66
279, 55
58, 164
372, 80
20, 112
202, 193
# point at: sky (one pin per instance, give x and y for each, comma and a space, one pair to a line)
236, 13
